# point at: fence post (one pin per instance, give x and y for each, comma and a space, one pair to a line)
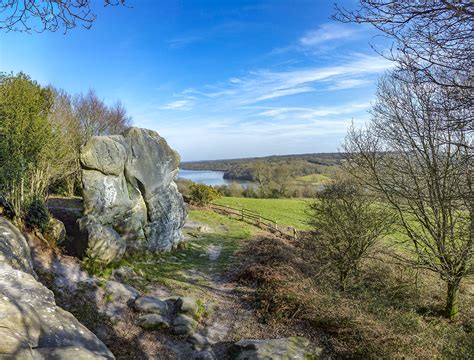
242, 214
295, 233
259, 219
276, 225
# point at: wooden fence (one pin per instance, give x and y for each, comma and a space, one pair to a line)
256, 219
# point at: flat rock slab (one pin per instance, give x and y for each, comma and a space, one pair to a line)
153, 322
292, 348
117, 291
148, 304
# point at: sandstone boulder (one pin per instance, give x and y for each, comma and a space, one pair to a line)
128, 185
153, 322
56, 232
30, 321
292, 348
148, 304
14, 248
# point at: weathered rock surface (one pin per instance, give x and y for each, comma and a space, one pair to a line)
128, 183
184, 325
56, 233
153, 322
31, 325
292, 348
30, 321
14, 248
120, 292
148, 304
188, 305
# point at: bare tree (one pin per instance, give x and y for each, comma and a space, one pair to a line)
75, 119
423, 168
118, 119
48, 15
69, 136
426, 34
96, 118
347, 223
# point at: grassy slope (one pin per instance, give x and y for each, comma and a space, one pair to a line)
290, 212
173, 269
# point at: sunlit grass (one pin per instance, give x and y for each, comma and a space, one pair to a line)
289, 212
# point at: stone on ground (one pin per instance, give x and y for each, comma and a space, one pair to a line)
292, 348
199, 341
120, 292
56, 233
148, 304
188, 305
153, 322
184, 325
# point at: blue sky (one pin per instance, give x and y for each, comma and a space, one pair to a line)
217, 79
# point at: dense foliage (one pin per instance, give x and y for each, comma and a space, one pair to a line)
26, 138
202, 195
41, 132
37, 215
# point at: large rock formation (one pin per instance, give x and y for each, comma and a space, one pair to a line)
31, 325
130, 198
14, 249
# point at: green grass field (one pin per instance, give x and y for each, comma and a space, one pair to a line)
289, 212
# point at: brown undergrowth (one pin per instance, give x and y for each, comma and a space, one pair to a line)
389, 312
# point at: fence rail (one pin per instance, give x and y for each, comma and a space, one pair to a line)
256, 219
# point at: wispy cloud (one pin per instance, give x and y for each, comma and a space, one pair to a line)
329, 32
264, 85
183, 41
306, 113
177, 105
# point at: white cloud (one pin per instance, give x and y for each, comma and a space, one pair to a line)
349, 84
356, 71
328, 32
177, 105
313, 114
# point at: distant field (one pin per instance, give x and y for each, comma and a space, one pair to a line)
289, 212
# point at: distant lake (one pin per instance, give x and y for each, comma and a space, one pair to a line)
209, 177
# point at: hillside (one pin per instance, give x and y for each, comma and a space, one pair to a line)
245, 169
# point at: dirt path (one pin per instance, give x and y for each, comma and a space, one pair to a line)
198, 271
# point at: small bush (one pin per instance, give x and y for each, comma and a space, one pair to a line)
347, 223
202, 195
378, 319
37, 215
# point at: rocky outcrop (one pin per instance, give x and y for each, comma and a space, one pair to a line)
130, 198
35, 326
14, 249
292, 348
31, 325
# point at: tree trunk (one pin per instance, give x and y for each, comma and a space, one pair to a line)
452, 301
